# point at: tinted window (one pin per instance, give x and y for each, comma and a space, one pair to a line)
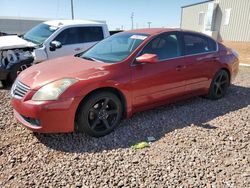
195, 44
69, 36
80, 35
91, 34
165, 46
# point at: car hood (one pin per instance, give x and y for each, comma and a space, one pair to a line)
65, 67
13, 41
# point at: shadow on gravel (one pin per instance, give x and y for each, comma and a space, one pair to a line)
157, 123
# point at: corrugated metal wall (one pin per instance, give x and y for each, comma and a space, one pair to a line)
238, 28
16, 26
190, 17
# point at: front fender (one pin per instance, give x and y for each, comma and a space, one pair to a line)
84, 87
40, 55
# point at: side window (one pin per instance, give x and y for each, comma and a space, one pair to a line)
195, 44
164, 46
80, 35
91, 34
68, 36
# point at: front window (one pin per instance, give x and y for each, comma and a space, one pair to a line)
40, 33
165, 46
115, 48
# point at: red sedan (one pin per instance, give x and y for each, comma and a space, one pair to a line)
123, 74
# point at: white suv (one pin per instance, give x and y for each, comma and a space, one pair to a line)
48, 40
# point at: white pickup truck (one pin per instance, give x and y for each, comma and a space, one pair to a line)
47, 40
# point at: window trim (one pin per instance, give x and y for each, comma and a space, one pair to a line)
180, 33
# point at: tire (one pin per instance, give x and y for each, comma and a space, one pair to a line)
5, 84
219, 85
16, 69
99, 114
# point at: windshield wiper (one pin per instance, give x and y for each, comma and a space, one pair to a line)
88, 58
35, 42
91, 59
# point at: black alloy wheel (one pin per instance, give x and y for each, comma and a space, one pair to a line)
219, 85
99, 114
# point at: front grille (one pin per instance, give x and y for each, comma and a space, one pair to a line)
19, 90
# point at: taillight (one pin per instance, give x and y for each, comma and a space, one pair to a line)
229, 51
232, 51
235, 53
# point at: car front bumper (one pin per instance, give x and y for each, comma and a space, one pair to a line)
47, 116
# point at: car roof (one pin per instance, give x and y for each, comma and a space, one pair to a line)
153, 31
60, 23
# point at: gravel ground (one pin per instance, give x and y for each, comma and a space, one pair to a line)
199, 143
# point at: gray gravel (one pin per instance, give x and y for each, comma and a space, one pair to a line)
199, 143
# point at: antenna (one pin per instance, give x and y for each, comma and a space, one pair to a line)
132, 20
72, 10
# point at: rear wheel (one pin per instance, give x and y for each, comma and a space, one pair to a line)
99, 114
219, 85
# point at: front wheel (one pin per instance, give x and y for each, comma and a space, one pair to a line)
16, 69
219, 85
99, 114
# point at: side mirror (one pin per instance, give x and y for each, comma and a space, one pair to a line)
147, 58
55, 45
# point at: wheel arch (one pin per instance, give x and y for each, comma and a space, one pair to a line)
228, 72
113, 90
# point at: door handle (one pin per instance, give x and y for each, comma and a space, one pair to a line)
179, 67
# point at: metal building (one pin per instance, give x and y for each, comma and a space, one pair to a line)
227, 20
18, 25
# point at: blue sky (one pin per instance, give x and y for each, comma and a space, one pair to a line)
117, 13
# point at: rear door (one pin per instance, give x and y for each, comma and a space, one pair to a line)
200, 55
91, 35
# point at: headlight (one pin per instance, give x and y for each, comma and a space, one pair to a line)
53, 90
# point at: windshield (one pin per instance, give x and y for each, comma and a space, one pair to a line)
115, 48
40, 33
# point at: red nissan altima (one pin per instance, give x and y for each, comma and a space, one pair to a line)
123, 74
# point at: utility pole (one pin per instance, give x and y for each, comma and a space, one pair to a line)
149, 23
72, 10
132, 20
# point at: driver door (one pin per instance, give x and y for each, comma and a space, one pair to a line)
69, 38
75, 40
155, 83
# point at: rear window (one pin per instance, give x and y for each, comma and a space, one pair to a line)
91, 34
195, 44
